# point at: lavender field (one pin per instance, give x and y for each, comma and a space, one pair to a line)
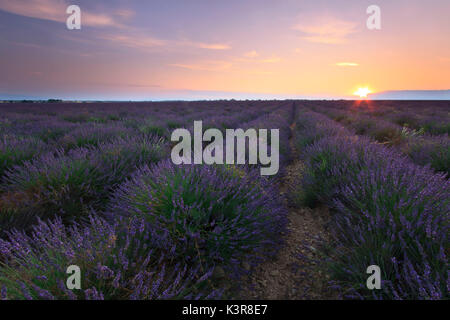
93, 185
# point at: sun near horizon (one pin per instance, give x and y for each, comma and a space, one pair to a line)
363, 92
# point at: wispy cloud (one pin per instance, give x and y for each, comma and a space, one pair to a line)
326, 29
55, 10
253, 57
205, 66
251, 54
347, 64
125, 14
212, 46
270, 60
248, 59
127, 85
203, 45
261, 73
137, 42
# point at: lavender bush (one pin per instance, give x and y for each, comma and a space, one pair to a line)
217, 214
430, 150
14, 150
117, 261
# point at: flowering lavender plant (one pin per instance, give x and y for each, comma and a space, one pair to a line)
117, 261
217, 214
14, 150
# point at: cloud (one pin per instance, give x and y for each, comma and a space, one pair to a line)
270, 60
29, 45
261, 73
42, 9
203, 45
347, 64
326, 29
205, 66
98, 20
251, 54
141, 41
213, 46
125, 13
127, 85
221, 65
55, 10
138, 42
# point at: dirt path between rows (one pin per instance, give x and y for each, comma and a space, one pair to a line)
293, 274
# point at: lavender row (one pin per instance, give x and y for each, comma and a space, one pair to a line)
279, 119
422, 148
71, 184
389, 212
431, 117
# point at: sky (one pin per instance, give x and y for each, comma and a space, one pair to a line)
211, 49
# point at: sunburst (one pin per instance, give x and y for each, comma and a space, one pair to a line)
363, 92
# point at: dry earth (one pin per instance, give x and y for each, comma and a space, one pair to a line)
294, 274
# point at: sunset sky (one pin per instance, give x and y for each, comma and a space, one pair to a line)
197, 49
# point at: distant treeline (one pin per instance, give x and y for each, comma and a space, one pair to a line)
32, 101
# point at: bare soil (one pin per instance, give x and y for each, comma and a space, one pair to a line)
295, 273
